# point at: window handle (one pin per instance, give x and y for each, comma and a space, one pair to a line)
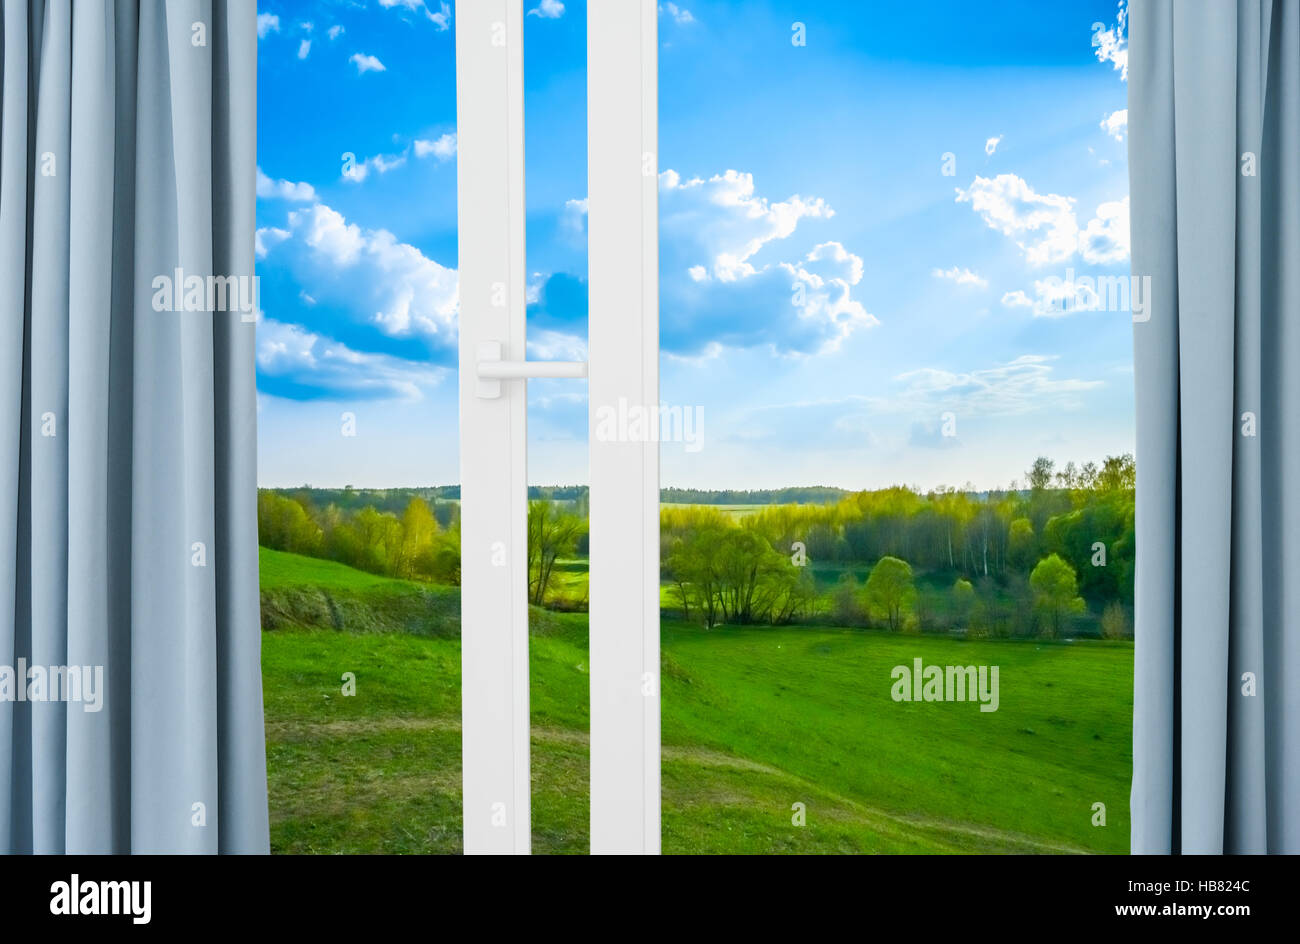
492, 369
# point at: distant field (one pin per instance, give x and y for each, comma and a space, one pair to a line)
736, 511
754, 720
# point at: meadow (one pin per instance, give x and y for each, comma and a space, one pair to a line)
757, 719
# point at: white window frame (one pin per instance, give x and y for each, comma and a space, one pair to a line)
623, 350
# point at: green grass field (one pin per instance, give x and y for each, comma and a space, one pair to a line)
754, 721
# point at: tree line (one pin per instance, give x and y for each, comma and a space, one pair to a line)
414, 544
1032, 558
998, 534
1043, 558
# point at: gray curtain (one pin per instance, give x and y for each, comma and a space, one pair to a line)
1214, 165
128, 530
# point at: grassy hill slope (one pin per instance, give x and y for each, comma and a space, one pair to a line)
754, 720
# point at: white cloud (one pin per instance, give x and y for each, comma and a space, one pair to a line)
1111, 45
1059, 297
380, 164
322, 367
443, 148
1023, 385
324, 230
267, 23
267, 238
680, 16
548, 9
533, 290
441, 19
1105, 240
574, 216
369, 274
384, 163
335, 32
304, 48
725, 221
411, 5
550, 345
1043, 225
307, 26
1115, 124
366, 63
836, 262
991, 145
718, 292
283, 189
961, 277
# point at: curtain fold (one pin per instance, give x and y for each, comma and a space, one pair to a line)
128, 532
1214, 165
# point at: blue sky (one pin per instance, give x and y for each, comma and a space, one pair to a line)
859, 239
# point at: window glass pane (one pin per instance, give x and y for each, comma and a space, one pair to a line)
357, 414
882, 230
555, 166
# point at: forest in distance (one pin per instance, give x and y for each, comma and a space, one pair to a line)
1051, 556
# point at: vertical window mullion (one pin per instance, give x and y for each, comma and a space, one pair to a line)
623, 355
493, 433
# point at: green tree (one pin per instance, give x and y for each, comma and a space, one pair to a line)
285, 525
1118, 473
379, 539
440, 560
788, 592
552, 533
419, 527
731, 574
1039, 475
1114, 621
1068, 476
846, 602
890, 589
745, 563
692, 563
1021, 545
963, 599
1056, 592
955, 511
